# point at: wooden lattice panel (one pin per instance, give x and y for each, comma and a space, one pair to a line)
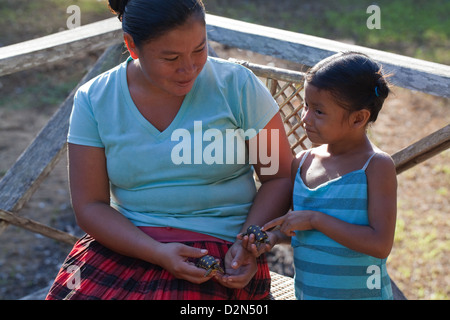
290, 102
285, 86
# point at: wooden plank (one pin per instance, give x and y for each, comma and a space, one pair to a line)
59, 46
410, 73
37, 227
422, 150
272, 72
34, 164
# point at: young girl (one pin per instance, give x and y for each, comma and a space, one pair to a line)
344, 199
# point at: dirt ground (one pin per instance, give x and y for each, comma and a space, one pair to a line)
419, 260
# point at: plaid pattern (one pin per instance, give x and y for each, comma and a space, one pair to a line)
106, 275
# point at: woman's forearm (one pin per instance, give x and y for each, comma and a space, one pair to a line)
272, 200
114, 231
90, 194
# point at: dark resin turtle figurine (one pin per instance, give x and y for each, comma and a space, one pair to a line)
260, 236
210, 264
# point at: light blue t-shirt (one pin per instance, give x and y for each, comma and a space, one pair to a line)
187, 175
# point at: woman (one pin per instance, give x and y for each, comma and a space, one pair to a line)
148, 215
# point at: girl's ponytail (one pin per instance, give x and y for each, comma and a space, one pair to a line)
382, 87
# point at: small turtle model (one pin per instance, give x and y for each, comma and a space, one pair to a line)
210, 264
260, 236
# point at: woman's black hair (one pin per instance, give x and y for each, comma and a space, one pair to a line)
355, 80
146, 20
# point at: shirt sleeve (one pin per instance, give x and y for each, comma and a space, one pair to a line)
258, 106
83, 127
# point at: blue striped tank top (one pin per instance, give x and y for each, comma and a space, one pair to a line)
325, 269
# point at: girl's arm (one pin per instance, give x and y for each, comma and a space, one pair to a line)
89, 185
377, 238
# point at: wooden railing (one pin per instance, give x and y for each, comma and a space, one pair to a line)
35, 163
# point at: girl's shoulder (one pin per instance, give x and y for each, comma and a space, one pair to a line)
381, 158
381, 166
303, 154
297, 160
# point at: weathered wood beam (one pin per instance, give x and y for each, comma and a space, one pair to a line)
37, 227
422, 150
59, 46
36, 162
410, 73
272, 72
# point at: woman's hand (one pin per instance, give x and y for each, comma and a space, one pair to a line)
174, 257
240, 267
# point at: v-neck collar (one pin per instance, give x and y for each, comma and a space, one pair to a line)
160, 135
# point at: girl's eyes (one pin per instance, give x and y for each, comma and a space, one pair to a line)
316, 110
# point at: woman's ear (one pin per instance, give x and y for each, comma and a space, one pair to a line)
131, 46
360, 118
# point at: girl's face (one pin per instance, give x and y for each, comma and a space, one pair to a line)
325, 121
172, 62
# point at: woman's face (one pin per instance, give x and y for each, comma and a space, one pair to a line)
172, 62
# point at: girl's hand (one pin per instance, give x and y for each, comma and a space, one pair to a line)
175, 259
292, 221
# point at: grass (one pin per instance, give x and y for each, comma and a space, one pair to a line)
22, 20
39, 94
419, 259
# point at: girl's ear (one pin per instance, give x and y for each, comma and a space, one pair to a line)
360, 118
131, 46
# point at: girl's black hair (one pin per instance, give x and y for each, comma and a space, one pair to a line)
355, 80
146, 20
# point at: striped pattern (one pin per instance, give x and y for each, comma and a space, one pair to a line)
324, 268
107, 275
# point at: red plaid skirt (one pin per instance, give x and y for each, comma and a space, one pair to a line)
92, 271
